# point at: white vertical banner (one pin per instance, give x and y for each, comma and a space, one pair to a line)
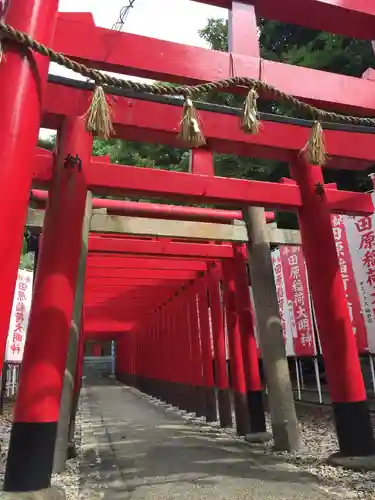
361, 241
255, 321
339, 225
225, 326
211, 332
297, 292
285, 309
20, 317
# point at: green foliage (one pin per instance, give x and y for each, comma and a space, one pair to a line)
27, 261
215, 33
314, 49
47, 142
300, 46
143, 154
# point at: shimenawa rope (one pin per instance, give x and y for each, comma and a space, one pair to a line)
98, 117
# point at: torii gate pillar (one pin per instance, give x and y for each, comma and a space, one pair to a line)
22, 78
344, 376
32, 440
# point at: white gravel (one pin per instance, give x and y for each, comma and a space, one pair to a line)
69, 480
319, 438
5, 426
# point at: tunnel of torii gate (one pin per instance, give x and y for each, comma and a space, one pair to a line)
155, 283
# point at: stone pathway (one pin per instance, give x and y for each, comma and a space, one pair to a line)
132, 449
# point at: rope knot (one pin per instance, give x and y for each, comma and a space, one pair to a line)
315, 147
250, 116
98, 116
190, 130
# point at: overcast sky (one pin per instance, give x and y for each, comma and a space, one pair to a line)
172, 20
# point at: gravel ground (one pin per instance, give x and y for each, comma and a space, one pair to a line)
5, 426
319, 442
69, 480
319, 438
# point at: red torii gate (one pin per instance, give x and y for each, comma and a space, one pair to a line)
20, 101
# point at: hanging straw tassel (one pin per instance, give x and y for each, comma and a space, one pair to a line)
316, 148
250, 118
190, 131
98, 116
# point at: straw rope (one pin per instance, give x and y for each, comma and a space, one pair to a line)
254, 86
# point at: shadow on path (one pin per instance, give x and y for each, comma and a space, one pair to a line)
133, 449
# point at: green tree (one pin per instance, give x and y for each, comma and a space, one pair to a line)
143, 154
47, 142
300, 46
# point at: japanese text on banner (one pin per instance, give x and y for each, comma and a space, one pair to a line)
361, 241
298, 300
285, 317
348, 278
20, 317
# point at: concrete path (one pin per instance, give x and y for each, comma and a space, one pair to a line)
134, 449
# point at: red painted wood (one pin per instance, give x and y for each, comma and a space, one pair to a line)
127, 303
140, 287
332, 314
218, 189
96, 350
234, 335
113, 287
106, 178
204, 326
164, 340
167, 61
164, 274
183, 341
217, 331
116, 207
353, 18
242, 19
201, 161
175, 365
246, 323
133, 117
168, 350
196, 350
126, 262
243, 38
161, 247
43, 366
22, 83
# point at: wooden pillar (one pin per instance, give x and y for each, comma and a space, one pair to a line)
61, 446
243, 39
249, 346
97, 349
32, 442
196, 352
76, 390
235, 350
208, 375
285, 428
218, 335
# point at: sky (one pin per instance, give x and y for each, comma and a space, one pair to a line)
171, 20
